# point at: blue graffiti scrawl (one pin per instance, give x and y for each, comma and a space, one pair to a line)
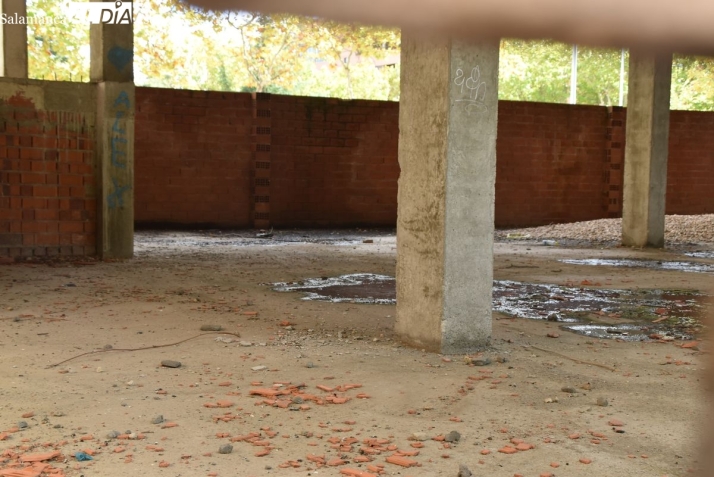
116, 198
119, 142
118, 145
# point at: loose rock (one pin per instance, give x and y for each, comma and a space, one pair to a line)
568, 389
113, 434
168, 363
601, 401
419, 436
259, 368
452, 436
211, 328
225, 449
464, 471
158, 419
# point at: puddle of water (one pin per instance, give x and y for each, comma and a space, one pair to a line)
603, 313
355, 288
703, 254
624, 314
679, 266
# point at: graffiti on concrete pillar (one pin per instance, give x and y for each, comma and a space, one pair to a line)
118, 147
116, 198
120, 57
472, 90
118, 142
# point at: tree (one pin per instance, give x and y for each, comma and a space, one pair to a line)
345, 45
599, 76
692, 83
534, 71
57, 50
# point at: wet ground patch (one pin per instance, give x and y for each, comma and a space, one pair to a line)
672, 265
354, 288
176, 241
633, 315
701, 254
626, 314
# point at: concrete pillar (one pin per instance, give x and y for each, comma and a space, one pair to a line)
111, 67
13, 39
646, 148
447, 153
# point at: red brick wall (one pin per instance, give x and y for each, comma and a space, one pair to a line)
206, 158
550, 162
690, 170
192, 157
47, 194
333, 162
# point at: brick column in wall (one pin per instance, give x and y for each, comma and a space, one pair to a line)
614, 162
260, 171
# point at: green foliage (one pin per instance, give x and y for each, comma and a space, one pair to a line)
599, 76
534, 71
179, 46
56, 51
692, 83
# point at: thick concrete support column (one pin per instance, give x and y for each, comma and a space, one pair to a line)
115, 148
646, 148
112, 69
447, 153
13, 39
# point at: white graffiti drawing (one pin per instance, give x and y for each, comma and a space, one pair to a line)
473, 90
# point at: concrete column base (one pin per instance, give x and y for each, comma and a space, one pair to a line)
447, 154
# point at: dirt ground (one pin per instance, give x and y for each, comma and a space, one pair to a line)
178, 282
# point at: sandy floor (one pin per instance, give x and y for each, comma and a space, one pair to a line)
177, 283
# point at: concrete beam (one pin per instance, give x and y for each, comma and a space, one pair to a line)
646, 150
13, 39
447, 154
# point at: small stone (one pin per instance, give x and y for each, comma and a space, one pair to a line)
601, 401
168, 363
501, 359
452, 436
211, 328
108, 346
464, 471
310, 364
245, 344
22, 425
552, 317
259, 368
158, 419
553, 335
298, 400
568, 389
419, 436
368, 241
616, 423
57, 414
113, 434
225, 449
481, 361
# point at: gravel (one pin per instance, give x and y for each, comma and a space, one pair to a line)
678, 229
